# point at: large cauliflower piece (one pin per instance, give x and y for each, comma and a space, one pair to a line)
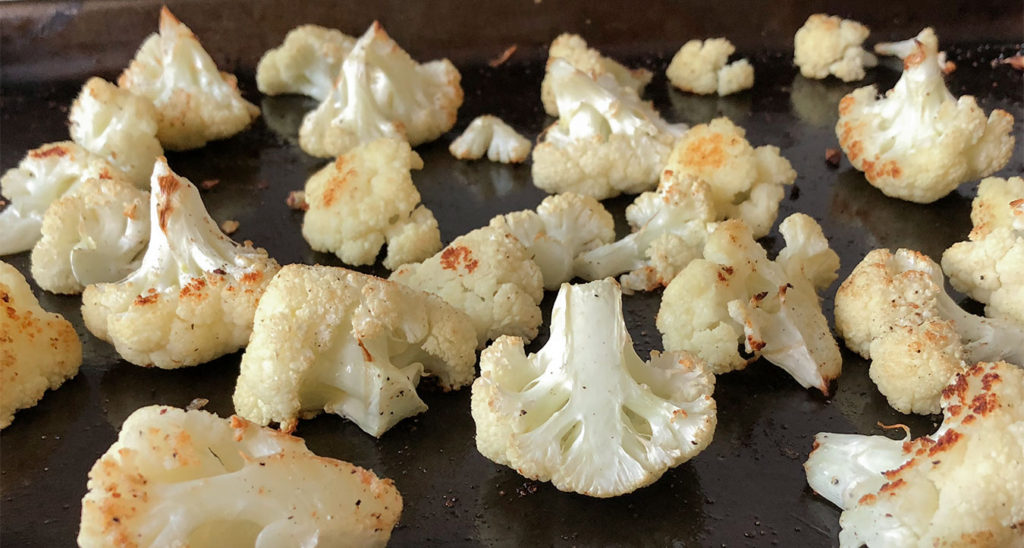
894, 310
736, 295
329, 339
606, 141
194, 295
573, 48
990, 266
307, 63
960, 486
365, 198
828, 44
586, 412
703, 67
490, 135
918, 143
190, 478
488, 275
38, 350
196, 102
382, 92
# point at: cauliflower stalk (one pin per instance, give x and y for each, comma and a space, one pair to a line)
573, 48
307, 63
702, 67
586, 412
830, 45
490, 135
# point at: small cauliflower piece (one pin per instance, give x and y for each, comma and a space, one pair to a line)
488, 275
196, 102
307, 63
735, 294
960, 486
93, 234
573, 48
190, 478
586, 412
828, 44
382, 92
702, 67
38, 350
893, 310
918, 143
330, 339
606, 141
492, 136
193, 297
366, 198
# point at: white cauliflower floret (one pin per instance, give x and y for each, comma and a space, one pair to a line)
894, 310
606, 141
828, 44
562, 227
586, 412
492, 136
366, 198
95, 233
43, 176
918, 143
488, 275
736, 294
330, 339
960, 486
307, 63
701, 67
382, 92
190, 478
194, 295
573, 48
990, 266
196, 102
118, 125
38, 350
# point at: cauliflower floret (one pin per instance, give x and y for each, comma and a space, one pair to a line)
382, 92
700, 67
43, 176
330, 339
828, 44
38, 350
573, 48
894, 310
366, 198
918, 143
190, 478
562, 227
960, 486
196, 102
586, 412
194, 295
488, 275
95, 233
735, 293
119, 126
492, 136
990, 267
606, 142
307, 63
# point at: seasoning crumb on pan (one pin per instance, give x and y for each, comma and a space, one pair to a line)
297, 200
209, 183
832, 157
1017, 61
197, 404
229, 226
505, 55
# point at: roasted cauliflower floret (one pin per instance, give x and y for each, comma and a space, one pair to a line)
828, 44
490, 135
573, 48
703, 67
307, 63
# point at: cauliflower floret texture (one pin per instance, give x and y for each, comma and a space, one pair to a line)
703, 67
490, 135
960, 486
918, 143
307, 63
190, 478
894, 310
735, 295
194, 295
196, 102
586, 412
382, 92
573, 48
330, 339
828, 44
366, 198
38, 350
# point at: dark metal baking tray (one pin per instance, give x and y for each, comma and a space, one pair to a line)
747, 488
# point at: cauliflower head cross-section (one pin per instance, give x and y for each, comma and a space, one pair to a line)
490, 135
573, 48
702, 67
827, 44
307, 63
